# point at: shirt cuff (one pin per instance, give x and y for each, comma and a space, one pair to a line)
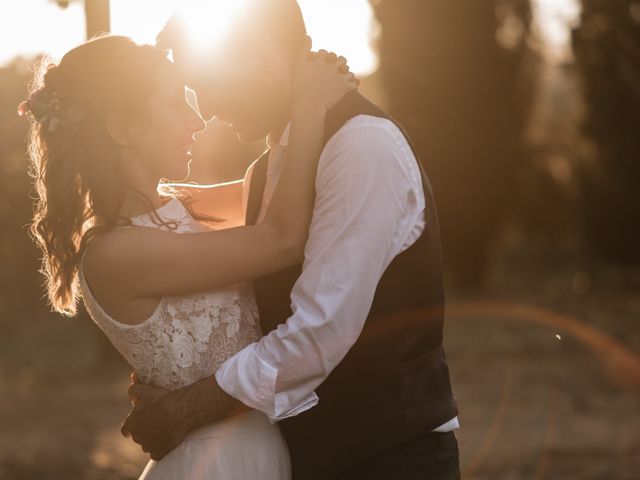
251, 380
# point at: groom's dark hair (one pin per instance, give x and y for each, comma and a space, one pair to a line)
280, 20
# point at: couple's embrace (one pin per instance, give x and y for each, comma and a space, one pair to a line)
302, 340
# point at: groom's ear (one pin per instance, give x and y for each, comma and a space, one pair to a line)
308, 43
262, 46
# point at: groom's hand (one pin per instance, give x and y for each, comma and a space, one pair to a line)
159, 421
141, 394
152, 423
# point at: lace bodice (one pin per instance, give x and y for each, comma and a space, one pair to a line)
187, 337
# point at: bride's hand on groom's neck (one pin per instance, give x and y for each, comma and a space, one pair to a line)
320, 80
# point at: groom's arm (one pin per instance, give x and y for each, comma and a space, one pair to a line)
159, 421
369, 200
368, 204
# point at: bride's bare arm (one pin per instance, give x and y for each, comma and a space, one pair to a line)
137, 262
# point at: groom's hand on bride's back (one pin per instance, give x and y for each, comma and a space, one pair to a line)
141, 394
160, 419
151, 423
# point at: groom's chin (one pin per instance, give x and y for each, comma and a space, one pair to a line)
245, 138
250, 135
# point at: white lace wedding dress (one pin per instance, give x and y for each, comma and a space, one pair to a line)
185, 339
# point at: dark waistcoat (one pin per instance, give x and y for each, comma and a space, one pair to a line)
393, 385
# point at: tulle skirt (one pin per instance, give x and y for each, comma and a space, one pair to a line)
244, 447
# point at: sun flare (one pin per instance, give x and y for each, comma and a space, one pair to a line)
209, 20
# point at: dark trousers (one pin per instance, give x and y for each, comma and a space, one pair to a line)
431, 457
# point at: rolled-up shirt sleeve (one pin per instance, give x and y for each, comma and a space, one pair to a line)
368, 200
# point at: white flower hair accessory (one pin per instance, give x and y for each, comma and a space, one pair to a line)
47, 109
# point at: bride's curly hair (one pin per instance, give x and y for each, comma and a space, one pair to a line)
74, 161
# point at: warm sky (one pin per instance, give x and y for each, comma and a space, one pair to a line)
29, 27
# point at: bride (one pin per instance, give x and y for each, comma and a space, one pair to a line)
170, 292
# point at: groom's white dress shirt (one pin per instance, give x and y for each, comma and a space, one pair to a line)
369, 208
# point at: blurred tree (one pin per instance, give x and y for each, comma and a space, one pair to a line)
452, 72
607, 46
18, 275
97, 14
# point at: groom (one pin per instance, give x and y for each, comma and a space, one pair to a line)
352, 364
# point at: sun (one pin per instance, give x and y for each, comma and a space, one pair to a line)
209, 20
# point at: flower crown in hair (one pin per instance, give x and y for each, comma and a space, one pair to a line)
46, 108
